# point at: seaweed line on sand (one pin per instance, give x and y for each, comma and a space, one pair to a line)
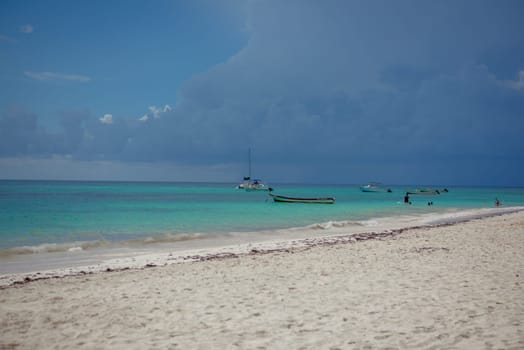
288, 247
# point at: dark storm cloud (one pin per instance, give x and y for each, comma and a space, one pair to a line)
20, 134
342, 80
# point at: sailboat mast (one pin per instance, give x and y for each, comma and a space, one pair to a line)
249, 161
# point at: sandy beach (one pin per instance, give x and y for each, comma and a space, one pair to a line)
458, 286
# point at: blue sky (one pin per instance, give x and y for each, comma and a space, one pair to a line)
403, 92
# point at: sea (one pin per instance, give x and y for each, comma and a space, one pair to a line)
46, 224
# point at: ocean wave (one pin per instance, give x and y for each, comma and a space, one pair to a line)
74, 247
53, 248
446, 216
333, 224
460, 215
170, 238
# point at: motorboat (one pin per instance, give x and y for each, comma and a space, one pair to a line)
374, 187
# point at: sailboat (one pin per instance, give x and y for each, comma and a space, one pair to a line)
253, 184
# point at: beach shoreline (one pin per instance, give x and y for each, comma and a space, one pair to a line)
329, 233
458, 285
336, 233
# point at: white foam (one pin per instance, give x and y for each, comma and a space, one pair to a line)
75, 249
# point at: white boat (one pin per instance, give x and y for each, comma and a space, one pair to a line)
374, 187
253, 184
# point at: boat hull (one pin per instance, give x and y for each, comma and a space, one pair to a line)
257, 187
367, 189
374, 188
424, 192
284, 199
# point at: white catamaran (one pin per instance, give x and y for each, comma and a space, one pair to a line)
253, 184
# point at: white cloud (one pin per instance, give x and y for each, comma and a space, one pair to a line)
106, 119
47, 76
155, 112
517, 84
27, 29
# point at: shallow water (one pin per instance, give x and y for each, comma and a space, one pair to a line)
50, 217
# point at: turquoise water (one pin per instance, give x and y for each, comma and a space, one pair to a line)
34, 213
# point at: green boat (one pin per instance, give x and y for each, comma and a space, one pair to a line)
319, 200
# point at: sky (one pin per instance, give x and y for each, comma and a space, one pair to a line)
331, 91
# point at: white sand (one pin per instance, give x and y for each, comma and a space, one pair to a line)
451, 287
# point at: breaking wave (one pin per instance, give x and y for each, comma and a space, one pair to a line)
333, 224
79, 246
52, 248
